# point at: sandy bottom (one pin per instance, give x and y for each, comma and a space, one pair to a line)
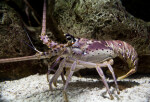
35, 88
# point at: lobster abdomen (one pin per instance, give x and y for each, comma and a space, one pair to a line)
126, 52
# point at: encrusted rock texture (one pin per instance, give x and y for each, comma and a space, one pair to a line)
93, 19
13, 44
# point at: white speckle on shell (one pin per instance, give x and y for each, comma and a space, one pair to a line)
119, 44
84, 53
98, 55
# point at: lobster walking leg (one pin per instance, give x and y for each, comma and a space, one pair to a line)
58, 73
63, 78
113, 74
68, 79
51, 68
101, 74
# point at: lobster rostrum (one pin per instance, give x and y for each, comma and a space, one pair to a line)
80, 53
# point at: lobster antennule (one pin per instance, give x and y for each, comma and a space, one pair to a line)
126, 52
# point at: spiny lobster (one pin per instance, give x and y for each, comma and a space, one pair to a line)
79, 53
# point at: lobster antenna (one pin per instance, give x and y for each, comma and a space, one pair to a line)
44, 19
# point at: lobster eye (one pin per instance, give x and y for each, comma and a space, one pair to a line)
68, 38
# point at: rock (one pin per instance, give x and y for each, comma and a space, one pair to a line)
13, 36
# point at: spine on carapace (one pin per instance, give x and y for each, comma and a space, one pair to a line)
126, 52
